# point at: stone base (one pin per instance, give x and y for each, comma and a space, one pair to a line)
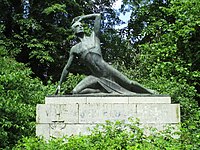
72, 115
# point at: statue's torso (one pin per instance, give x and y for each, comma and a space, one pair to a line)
89, 44
90, 53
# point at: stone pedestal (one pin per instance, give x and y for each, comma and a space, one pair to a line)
70, 115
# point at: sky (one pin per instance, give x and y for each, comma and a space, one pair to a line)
117, 4
125, 17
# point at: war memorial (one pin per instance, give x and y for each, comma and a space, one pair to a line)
106, 94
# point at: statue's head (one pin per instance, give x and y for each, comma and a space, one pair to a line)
77, 27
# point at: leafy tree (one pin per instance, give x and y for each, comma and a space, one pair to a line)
19, 96
165, 34
43, 39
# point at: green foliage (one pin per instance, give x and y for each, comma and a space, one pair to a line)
43, 39
55, 8
117, 50
117, 135
19, 95
166, 37
171, 45
70, 83
168, 48
160, 48
168, 40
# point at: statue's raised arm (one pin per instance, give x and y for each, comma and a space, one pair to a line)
97, 22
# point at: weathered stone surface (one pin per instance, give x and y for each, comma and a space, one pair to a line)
150, 99
158, 113
47, 113
101, 99
43, 129
108, 99
74, 115
65, 100
59, 130
99, 113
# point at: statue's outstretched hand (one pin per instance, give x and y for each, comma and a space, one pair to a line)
57, 90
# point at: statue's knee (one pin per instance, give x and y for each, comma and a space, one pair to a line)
90, 77
74, 91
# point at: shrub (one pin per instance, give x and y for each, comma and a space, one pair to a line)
112, 136
19, 95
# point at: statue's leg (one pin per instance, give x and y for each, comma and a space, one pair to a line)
122, 80
89, 91
87, 83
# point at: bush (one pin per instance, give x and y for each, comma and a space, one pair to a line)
19, 95
70, 83
113, 136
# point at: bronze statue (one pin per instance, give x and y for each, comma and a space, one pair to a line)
104, 78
